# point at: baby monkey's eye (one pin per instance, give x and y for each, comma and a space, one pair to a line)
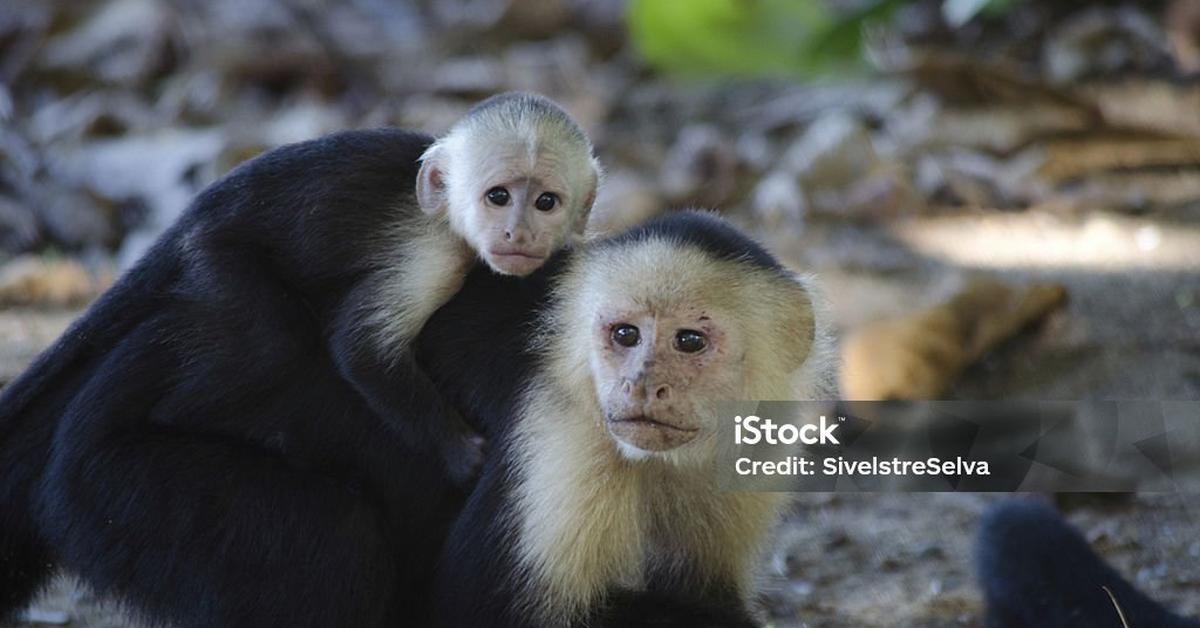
498, 196
626, 335
546, 202
690, 341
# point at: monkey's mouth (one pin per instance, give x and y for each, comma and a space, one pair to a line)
518, 254
515, 261
650, 434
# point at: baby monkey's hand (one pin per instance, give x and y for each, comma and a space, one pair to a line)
463, 453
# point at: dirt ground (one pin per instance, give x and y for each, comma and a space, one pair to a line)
1129, 332
905, 559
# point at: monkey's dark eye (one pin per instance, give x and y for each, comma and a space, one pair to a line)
546, 202
626, 335
690, 341
498, 196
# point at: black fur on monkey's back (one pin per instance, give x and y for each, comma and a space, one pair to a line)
191, 444
483, 362
1037, 571
272, 211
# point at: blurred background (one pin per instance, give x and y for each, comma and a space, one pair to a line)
1001, 198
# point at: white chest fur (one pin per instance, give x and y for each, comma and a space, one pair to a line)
590, 519
432, 264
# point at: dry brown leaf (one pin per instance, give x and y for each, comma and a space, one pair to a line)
920, 356
1071, 159
35, 281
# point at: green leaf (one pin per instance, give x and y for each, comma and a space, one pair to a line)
746, 37
790, 38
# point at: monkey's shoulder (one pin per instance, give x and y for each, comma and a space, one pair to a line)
323, 207
345, 174
356, 149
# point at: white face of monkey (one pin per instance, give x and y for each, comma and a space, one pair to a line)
661, 372
514, 197
521, 203
673, 333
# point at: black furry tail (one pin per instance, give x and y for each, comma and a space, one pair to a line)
1037, 571
30, 408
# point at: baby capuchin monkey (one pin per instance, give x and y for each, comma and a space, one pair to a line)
240, 420
509, 184
599, 504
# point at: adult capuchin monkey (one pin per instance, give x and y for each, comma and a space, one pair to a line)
237, 433
598, 508
598, 505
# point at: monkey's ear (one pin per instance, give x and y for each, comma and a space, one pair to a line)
431, 183
585, 211
795, 322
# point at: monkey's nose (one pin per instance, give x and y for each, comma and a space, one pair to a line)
662, 393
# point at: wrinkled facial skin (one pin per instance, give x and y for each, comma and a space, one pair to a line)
658, 393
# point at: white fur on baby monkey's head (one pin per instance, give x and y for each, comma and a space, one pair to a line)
519, 133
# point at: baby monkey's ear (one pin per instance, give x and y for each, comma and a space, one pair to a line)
589, 199
431, 182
